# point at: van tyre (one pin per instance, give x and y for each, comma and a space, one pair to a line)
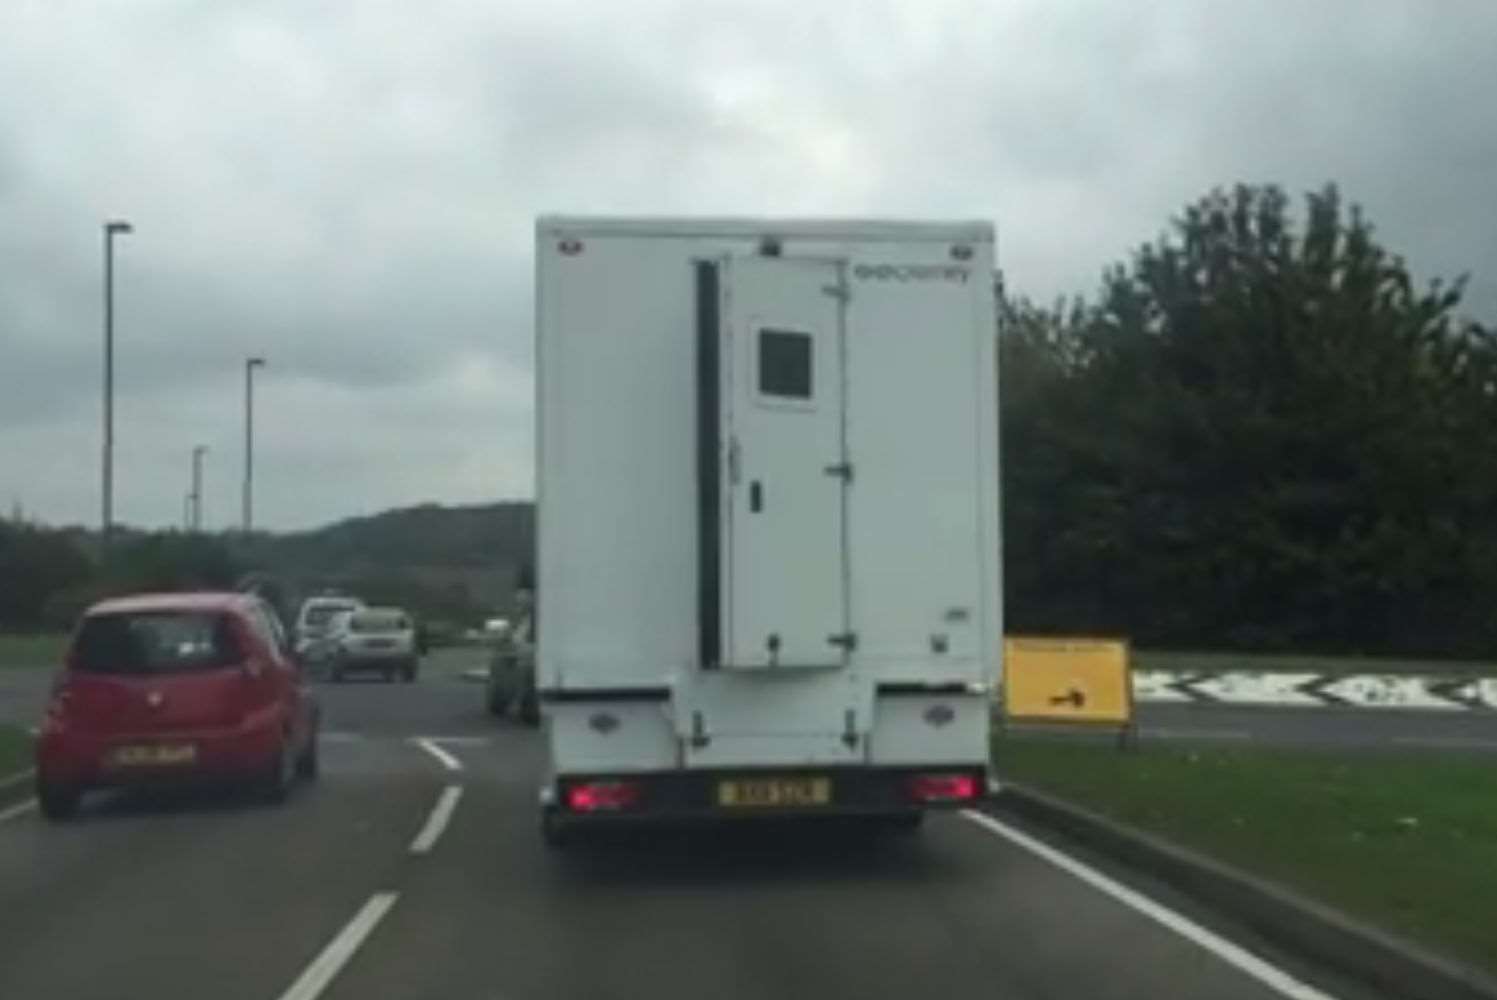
904, 823
530, 709
57, 802
408, 673
557, 833
496, 703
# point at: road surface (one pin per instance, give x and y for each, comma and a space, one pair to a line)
23, 694
414, 870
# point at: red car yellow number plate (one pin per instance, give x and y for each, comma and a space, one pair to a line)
154, 755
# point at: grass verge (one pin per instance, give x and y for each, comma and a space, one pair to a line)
1406, 841
15, 749
41, 651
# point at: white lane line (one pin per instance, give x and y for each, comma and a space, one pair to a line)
450, 762
1234, 955
21, 809
441, 815
1454, 742
326, 966
16, 779
459, 741
1167, 733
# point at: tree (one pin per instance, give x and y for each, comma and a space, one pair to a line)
36, 564
165, 561
1257, 437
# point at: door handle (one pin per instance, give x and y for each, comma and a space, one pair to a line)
733, 460
756, 497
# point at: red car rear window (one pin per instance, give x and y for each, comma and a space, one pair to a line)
154, 643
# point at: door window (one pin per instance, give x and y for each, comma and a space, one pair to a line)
785, 364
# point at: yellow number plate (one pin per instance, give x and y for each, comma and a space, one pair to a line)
771, 792
144, 756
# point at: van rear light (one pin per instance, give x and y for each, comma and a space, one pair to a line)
943, 787
603, 796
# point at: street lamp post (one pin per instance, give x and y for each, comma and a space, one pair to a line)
250, 364
198, 452
112, 228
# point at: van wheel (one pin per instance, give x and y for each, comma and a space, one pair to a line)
557, 833
408, 674
57, 802
530, 710
904, 823
495, 701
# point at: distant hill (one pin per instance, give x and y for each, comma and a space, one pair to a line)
453, 565
453, 562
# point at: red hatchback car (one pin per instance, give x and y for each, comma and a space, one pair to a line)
170, 687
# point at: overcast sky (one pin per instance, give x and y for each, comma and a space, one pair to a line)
348, 189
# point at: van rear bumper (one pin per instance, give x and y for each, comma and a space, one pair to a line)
702, 794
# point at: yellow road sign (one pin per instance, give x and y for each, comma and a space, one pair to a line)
1076, 680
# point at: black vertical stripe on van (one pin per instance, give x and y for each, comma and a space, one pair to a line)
709, 475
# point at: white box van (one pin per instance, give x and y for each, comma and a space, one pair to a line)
769, 570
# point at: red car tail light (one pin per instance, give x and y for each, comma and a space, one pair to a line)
61, 696
943, 787
603, 796
55, 719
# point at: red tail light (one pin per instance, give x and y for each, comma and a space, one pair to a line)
57, 707
943, 787
603, 796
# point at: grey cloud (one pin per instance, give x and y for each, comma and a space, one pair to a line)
349, 189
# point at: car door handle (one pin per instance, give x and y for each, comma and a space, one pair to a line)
756, 497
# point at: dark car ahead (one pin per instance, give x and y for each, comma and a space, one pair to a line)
167, 688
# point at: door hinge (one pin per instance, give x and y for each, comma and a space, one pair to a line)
847, 640
838, 291
842, 470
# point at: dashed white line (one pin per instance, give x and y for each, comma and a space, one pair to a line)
1234, 955
441, 815
16, 779
450, 762
20, 809
326, 966
460, 741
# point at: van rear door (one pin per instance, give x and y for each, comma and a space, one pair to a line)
784, 471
